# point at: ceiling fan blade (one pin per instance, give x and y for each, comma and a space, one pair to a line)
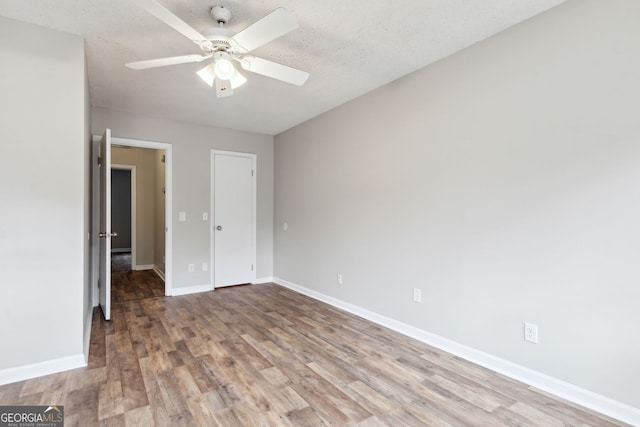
161, 62
274, 70
274, 25
166, 16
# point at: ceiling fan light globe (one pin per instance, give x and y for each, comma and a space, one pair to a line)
224, 69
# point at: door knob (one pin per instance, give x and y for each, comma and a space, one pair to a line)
219, 228
104, 234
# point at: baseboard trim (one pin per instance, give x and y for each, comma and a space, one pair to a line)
557, 387
120, 250
159, 272
20, 373
87, 334
143, 267
262, 280
190, 290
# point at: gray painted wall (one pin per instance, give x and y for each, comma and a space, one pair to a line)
43, 210
502, 181
144, 161
191, 153
159, 223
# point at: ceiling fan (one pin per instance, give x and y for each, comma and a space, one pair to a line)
223, 48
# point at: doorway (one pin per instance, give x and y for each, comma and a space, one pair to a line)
153, 258
129, 280
141, 206
123, 219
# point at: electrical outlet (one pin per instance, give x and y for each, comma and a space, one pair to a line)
417, 295
182, 216
531, 332
339, 278
205, 216
192, 268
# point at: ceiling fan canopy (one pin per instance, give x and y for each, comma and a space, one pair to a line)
223, 48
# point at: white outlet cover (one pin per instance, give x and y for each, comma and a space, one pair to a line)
285, 226
531, 332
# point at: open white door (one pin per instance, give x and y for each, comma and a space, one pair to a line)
104, 281
234, 218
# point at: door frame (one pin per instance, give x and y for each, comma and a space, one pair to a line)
168, 207
132, 169
102, 234
212, 219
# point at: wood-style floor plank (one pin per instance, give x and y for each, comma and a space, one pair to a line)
136, 285
263, 355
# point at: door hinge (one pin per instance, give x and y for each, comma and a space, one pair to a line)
98, 283
251, 267
99, 161
251, 172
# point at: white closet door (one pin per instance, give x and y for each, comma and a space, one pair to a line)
234, 220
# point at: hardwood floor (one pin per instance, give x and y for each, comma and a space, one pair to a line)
132, 285
263, 355
127, 284
120, 262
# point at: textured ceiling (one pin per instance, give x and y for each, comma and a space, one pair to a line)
349, 47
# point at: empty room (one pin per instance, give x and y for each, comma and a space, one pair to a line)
320, 213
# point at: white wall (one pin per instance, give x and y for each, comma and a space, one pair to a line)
503, 181
191, 153
43, 240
